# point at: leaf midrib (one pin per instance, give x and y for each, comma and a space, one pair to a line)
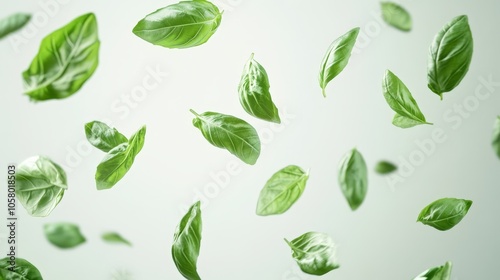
181, 25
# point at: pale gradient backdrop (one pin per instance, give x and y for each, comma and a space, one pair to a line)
381, 240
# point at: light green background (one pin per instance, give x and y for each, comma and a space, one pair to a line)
381, 240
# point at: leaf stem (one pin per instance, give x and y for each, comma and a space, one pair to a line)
194, 113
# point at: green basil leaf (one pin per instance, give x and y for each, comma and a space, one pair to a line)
230, 133
40, 185
496, 137
436, 273
314, 252
13, 23
64, 235
282, 190
450, 56
66, 60
385, 167
119, 160
444, 214
20, 270
254, 92
401, 101
353, 178
186, 246
396, 16
337, 57
182, 25
103, 137
113, 237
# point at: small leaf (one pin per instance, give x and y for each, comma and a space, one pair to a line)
119, 160
444, 214
496, 137
314, 252
230, 133
282, 190
113, 237
437, 273
40, 185
385, 167
186, 246
337, 57
353, 178
66, 60
401, 101
254, 92
450, 56
22, 270
13, 23
64, 235
183, 25
103, 137
396, 16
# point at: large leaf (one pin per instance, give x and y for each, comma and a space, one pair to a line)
396, 16
254, 92
436, 273
64, 235
282, 190
401, 101
353, 178
40, 185
119, 160
182, 25
13, 23
314, 252
336, 57
66, 60
186, 246
450, 56
496, 137
103, 137
444, 214
230, 133
113, 237
20, 270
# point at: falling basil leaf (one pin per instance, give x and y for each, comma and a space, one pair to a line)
450, 56
186, 246
496, 137
64, 235
13, 23
385, 167
40, 185
282, 190
182, 25
21, 269
230, 133
254, 92
314, 252
444, 214
353, 178
337, 57
103, 137
113, 237
401, 101
119, 160
66, 60
396, 16
437, 273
